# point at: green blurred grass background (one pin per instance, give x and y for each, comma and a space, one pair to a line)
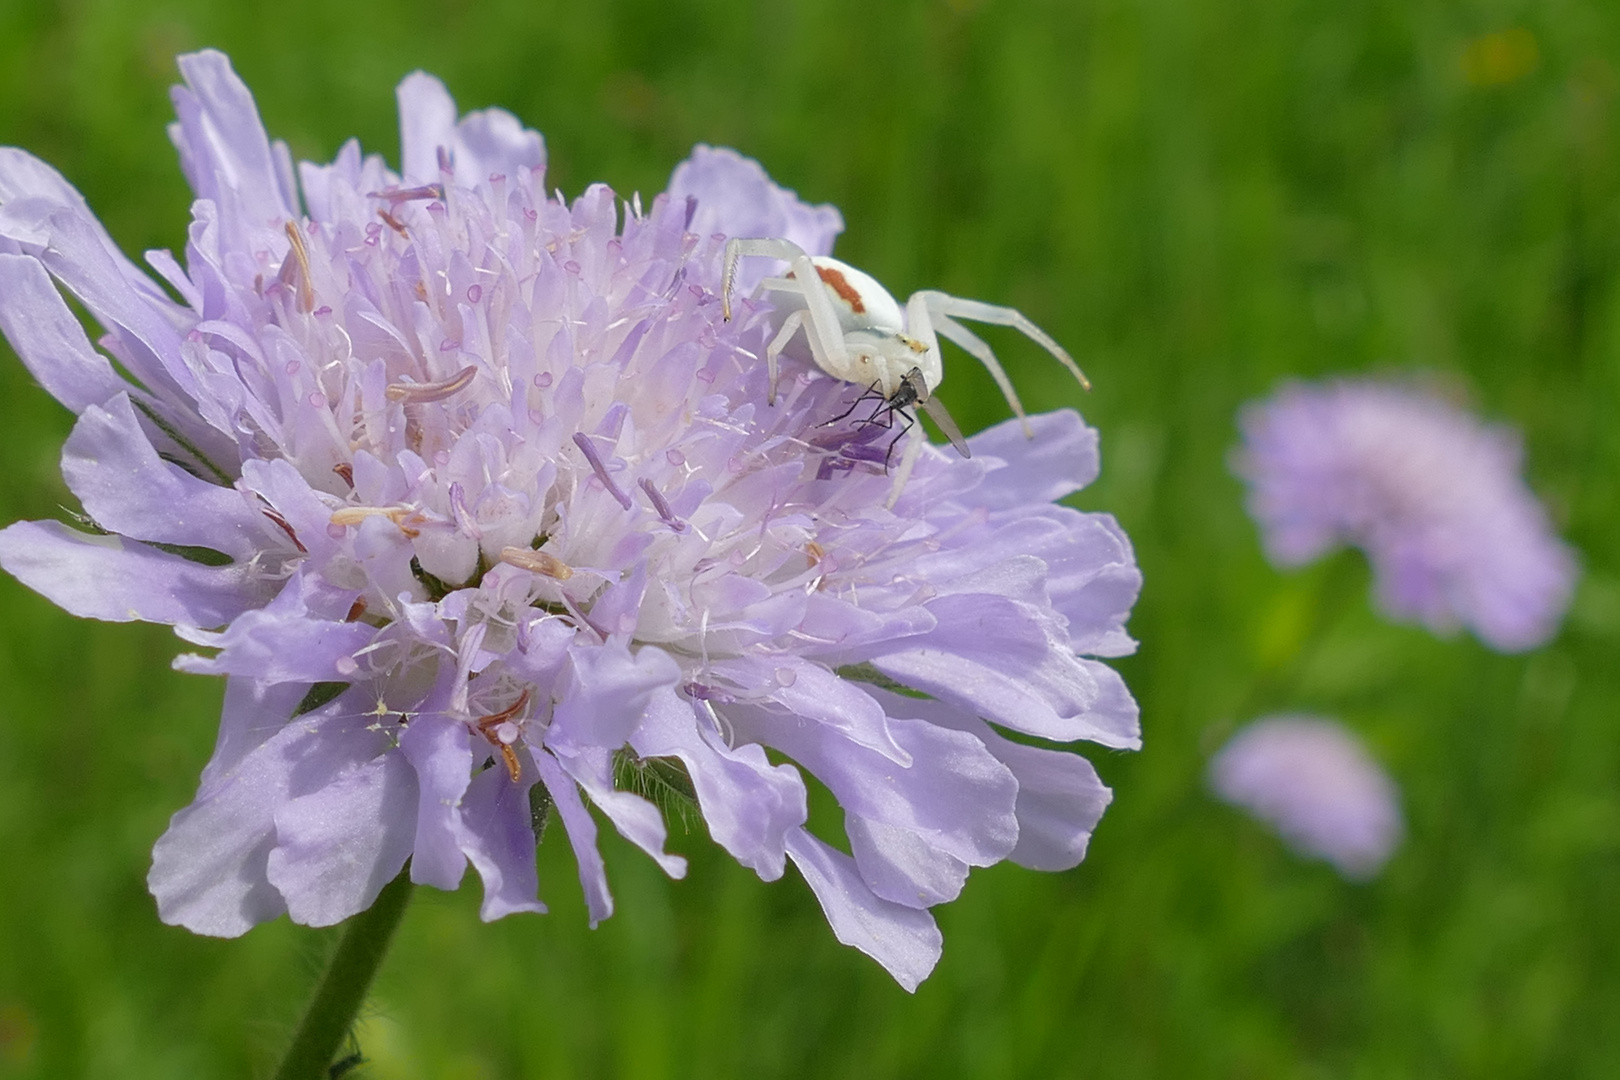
1199, 199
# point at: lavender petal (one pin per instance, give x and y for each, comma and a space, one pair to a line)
581, 830
337, 846
496, 833
439, 750
907, 942
126, 488
104, 577
49, 340
223, 146
748, 804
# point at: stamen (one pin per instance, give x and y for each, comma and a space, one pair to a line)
490, 727
418, 393
493, 719
399, 195
346, 471
281, 522
393, 223
537, 562
583, 441
357, 610
399, 515
463, 517
662, 506
306, 287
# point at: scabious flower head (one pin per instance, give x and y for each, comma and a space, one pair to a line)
1312, 781
475, 499
1433, 496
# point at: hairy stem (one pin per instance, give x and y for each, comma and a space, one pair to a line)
338, 998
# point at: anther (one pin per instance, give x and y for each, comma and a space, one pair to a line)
418, 393
282, 524
662, 506
404, 517
537, 562
501, 733
411, 194
583, 441
393, 223
306, 288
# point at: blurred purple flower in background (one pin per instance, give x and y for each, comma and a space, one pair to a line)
1312, 781
475, 499
1432, 495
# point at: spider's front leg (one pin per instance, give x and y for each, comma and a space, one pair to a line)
790, 326
947, 308
824, 332
908, 461
920, 383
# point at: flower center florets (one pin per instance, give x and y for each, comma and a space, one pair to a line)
524, 419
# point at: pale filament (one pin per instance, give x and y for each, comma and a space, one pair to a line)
418, 393
306, 287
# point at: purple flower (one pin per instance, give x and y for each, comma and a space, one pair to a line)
1311, 780
1433, 496
475, 499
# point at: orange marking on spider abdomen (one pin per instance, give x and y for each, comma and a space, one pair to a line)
835, 280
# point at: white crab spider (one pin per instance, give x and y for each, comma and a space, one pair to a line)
858, 333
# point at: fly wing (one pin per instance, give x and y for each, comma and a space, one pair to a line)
942, 419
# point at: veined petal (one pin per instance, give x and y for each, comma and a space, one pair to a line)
209, 869
581, 828
104, 577
1060, 797
748, 804
1060, 460
810, 691
955, 794
109, 464
906, 941
735, 197
498, 836
67, 240
24, 176
611, 689
49, 340
637, 820
272, 647
253, 713
900, 865
994, 662
222, 142
440, 751
337, 846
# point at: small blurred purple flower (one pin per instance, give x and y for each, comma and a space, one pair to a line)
1433, 496
1311, 780
475, 497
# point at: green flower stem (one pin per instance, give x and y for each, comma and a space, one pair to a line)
337, 1000
1341, 581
